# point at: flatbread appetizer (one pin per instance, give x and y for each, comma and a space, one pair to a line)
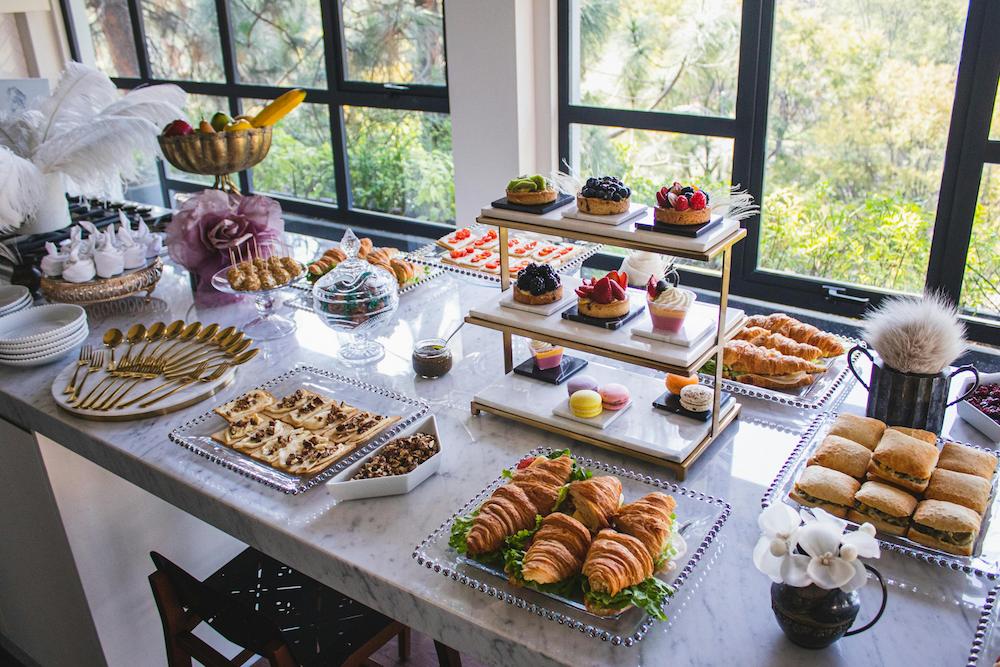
239, 429
359, 427
294, 400
245, 405
313, 404
329, 416
256, 438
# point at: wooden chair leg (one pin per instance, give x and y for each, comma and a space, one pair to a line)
403, 641
361, 655
447, 656
173, 617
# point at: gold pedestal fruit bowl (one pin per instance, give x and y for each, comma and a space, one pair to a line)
219, 154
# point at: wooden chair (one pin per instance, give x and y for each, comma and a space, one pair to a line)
270, 610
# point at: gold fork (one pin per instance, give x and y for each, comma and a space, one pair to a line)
188, 377
96, 363
84, 359
137, 374
211, 377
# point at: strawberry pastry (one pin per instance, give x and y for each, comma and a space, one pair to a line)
456, 240
605, 298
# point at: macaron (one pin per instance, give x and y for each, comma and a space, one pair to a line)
696, 398
586, 403
615, 396
579, 383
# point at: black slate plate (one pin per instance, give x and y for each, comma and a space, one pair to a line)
561, 200
690, 231
569, 367
669, 402
572, 313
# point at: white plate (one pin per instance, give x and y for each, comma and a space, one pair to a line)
699, 323
601, 421
47, 358
38, 345
40, 322
14, 307
12, 294
545, 309
342, 487
970, 413
47, 347
635, 210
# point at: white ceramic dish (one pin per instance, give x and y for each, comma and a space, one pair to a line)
49, 357
40, 323
16, 306
601, 421
635, 210
342, 487
970, 413
545, 309
41, 346
11, 295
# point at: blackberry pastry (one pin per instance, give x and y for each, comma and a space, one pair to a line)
605, 195
538, 284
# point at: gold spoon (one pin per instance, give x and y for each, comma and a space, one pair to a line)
195, 377
153, 335
206, 335
170, 335
233, 348
135, 333
183, 341
218, 339
112, 339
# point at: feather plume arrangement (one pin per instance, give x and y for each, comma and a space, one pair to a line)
86, 131
916, 334
739, 205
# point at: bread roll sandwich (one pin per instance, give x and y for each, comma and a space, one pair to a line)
945, 526
904, 461
596, 500
961, 458
959, 488
843, 455
884, 506
618, 573
550, 558
650, 520
828, 489
862, 430
917, 433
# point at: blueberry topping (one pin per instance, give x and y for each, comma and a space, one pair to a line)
606, 187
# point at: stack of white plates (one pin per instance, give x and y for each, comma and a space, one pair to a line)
42, 334
13, 298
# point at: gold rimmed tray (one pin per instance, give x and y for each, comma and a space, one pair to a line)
100, 290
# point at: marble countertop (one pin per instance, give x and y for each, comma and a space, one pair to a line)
364, 548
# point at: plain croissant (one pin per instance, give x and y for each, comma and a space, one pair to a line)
775, 341
507, 511
558, 550
648, 520
801, 332
596, 500
745, 357
616, 561
542, 480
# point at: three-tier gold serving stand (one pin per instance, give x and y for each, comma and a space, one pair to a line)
650, 242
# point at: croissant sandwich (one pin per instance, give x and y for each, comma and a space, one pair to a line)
556, 553
596, 500
618, 573
801, 332
650, 520
507, 511
774, 341
542, 479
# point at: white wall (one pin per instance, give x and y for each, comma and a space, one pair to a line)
36, 27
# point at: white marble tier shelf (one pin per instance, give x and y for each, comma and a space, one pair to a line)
619, 343
364, 547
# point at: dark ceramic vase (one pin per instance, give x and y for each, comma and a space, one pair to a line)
915, 400
812, 617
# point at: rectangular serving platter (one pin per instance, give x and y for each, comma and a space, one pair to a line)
701, 517
985, 649
196, 434
985, 559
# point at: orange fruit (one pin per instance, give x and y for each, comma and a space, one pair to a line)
677, 382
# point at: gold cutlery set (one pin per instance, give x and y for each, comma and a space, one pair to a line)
181, 354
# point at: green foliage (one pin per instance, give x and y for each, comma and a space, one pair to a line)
648, 595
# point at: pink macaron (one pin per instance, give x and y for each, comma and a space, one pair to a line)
615, 396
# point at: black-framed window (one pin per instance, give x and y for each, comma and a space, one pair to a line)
864, 134
370, 146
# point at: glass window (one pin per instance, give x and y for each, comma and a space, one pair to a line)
279, 43
182, 38
198, 107
659, 55
394, 41
856, 131
995, 124
981, 287
111, 34
300, 162
400, 162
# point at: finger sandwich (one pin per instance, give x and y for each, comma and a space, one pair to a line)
884, 506
959, 488
828, 489
862, 430
961, 458
945, 526
904, 461
843, 455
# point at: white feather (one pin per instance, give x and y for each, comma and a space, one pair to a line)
82, 91
916, 335
21, 188
159, 104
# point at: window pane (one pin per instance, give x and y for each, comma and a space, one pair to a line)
401, 162
856, 132
182, 38
995, 124
981, 288
300, 162
111, 33
394, 41
198, 107
662, 55
279, 43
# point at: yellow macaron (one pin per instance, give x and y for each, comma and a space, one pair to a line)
586, 403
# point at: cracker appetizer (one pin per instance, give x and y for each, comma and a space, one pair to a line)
248, 403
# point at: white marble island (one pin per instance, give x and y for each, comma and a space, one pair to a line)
364, 548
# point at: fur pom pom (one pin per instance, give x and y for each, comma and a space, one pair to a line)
916, 335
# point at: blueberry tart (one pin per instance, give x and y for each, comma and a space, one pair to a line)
604, 195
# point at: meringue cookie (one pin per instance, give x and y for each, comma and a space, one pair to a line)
53, 261
78, 269
109, 260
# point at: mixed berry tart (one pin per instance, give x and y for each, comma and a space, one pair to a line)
605, 195
538, 284
668, 305
530, 191
682, 205
605, 298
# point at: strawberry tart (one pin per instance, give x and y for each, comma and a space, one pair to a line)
457, 240
682, 205
605, 298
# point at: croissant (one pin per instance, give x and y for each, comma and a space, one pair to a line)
557, 551
507, 511
799, 331
335, 254
775, 341
366, 247
596, 500
616, 561
405, 271
542, 480
749, 358
648, 520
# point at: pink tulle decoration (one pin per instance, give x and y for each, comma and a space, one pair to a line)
211, 222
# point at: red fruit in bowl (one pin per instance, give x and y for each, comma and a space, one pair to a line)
699, 200
177, 128
651, 288
617, 291
681, 203
602, 291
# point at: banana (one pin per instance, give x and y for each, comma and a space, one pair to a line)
238, 125
279, 108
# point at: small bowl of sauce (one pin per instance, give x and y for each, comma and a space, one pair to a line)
431, 357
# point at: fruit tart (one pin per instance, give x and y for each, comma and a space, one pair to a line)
605, 298
682, 205
538, 284
530, 191
605, 195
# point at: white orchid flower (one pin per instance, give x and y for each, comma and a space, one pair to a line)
859, 579
861, 541
810, 515
778, 524
821, 540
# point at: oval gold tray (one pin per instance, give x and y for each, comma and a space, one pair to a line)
99, 290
